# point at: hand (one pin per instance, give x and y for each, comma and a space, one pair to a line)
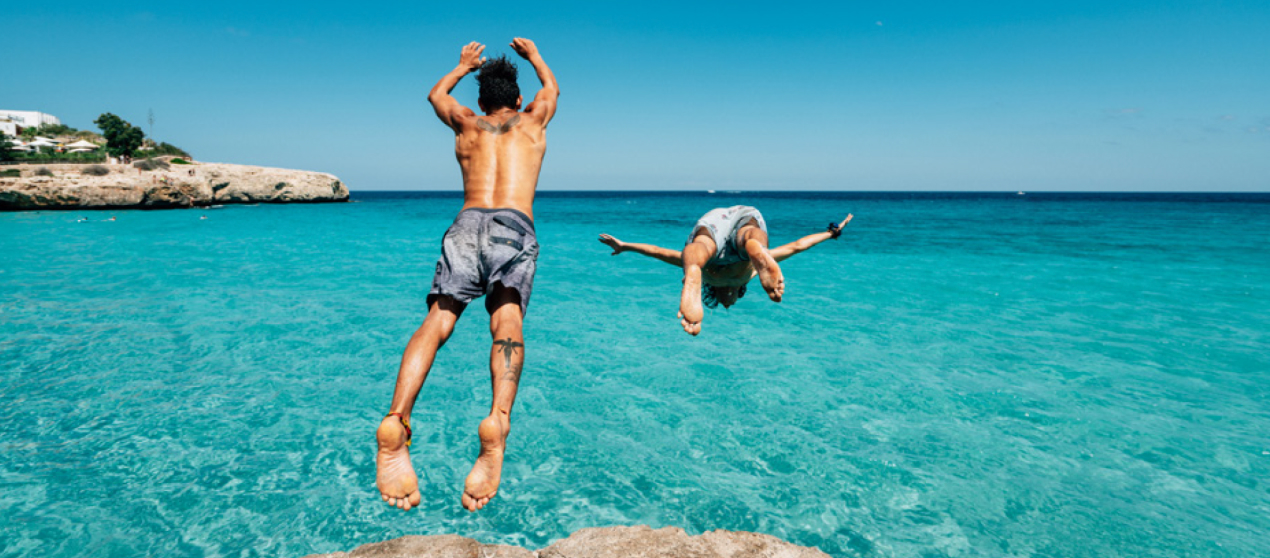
524, 47
845, 221
470, 57
617, 245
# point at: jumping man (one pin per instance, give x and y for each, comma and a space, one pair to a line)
491, 250
726, 248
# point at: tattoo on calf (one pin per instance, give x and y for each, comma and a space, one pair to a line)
509, 348
501, 128
512, 374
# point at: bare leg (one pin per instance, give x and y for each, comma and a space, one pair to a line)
506, 360
695, 256
395, 477
769, 272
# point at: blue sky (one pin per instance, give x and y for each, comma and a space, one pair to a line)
1074, 95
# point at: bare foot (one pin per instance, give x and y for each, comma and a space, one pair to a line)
482, 482
769, 272
690, 311
394, 475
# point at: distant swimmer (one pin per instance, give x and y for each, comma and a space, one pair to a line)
491, 249
82, 220
112, 218
726, 248
202, 217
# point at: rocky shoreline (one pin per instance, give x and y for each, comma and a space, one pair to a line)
179, 186
627, 542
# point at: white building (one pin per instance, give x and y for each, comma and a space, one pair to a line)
8, 127
29, 118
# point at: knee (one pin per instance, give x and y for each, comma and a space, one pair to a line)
696, 254
436, 328
505, 324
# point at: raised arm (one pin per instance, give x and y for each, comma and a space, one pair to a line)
783, 253
544, 103
447, 107
672, 257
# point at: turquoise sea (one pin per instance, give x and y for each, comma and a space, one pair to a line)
1047, 375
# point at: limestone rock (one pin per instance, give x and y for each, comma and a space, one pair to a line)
127, 187
602, 542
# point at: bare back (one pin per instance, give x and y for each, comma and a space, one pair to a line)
500, 152
500, 155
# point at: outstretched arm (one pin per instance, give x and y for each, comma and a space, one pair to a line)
544, 103
783, 253
447, 107
672, 257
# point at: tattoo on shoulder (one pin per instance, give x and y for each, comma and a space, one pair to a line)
501, 128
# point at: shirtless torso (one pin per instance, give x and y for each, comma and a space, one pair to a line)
500, 152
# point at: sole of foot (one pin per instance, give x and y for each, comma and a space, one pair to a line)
482, 483
690, 310
769, 274
394, 475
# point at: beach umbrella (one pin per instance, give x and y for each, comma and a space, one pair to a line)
81, 145
80, 151
19, 147
41, 142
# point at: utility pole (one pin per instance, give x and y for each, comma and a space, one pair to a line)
151, 119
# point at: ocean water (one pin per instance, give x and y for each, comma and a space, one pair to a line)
960, 375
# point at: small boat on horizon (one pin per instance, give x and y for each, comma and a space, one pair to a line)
1021, 193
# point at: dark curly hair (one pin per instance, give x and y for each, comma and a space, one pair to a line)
498, 83
711, 301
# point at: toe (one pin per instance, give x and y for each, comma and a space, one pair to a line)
468, 503
415, 498
384, 496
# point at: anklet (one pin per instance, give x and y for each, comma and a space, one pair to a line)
405, 423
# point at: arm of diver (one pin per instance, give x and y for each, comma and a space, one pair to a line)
445, 105
672, 257
545, 101
783, 253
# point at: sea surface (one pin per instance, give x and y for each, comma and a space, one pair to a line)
999, 375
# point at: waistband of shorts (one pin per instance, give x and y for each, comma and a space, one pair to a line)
515, 212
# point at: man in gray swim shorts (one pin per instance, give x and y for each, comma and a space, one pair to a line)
726, 248
490, 251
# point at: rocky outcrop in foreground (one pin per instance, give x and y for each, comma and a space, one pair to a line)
603, 542
129, 187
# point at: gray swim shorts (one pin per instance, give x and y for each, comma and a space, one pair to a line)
484, 247
722, 225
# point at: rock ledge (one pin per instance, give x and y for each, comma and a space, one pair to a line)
626, 542
128, 187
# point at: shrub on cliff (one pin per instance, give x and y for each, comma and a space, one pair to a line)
43, 171
122, 138
151, 164
95, 170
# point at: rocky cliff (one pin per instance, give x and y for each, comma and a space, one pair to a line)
606, 542
198, 184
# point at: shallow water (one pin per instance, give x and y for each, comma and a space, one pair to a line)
960, 375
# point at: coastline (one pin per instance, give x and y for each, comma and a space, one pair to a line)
180, 186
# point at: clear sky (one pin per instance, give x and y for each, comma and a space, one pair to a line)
1072, 95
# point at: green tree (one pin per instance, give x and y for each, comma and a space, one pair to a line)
122, 138
5, 144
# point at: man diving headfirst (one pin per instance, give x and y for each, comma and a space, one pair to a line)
490, 250
726, 248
